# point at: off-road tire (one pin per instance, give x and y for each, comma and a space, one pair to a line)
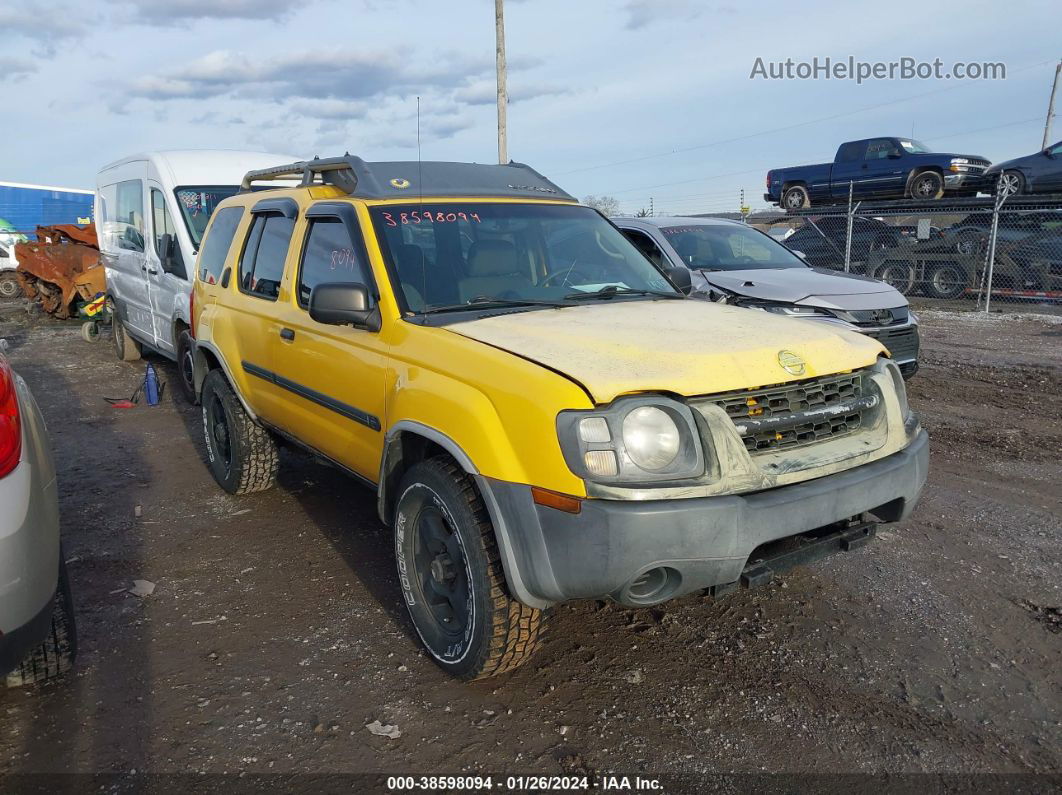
500, 633
926, 185
55, 656
251, 460
126, 348
185, 370
9, 286
796, 197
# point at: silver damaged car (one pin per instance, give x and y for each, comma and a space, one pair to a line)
737, 264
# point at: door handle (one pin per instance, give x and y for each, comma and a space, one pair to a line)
287, 334
152, 271
864, 165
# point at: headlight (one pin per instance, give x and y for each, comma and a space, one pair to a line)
651, 438
790, 310
634, 440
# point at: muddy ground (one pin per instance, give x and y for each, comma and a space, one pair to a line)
275, 632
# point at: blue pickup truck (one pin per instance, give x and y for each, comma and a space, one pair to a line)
883, 168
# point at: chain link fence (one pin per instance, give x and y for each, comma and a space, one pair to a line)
977, 251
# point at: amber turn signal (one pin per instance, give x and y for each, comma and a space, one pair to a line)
552, 499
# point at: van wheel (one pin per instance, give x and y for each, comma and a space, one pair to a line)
796, 198
126, 348
243, 456
452, 578
55, 656
186, 366
927, 185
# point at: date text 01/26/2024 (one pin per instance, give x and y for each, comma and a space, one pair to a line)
619, 784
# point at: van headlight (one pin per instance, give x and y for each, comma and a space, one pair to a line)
633, 440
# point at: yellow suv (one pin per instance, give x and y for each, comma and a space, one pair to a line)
543, 414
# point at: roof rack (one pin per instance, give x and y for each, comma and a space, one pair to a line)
414, 180
338, 171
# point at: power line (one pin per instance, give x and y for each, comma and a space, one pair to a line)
745, 137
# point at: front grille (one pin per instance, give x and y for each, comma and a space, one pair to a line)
797, 414
902, 342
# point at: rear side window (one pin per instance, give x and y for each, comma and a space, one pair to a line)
262, 263
121, 211
218, 241
329, 256
851, 151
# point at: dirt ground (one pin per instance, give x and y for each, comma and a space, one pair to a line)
275, 632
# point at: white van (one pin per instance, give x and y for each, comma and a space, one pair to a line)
151, 212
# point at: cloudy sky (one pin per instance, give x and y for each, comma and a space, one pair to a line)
631, 98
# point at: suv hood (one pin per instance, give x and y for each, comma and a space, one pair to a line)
795, 285
684, 347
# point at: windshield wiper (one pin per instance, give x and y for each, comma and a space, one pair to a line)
611, 290
486, 302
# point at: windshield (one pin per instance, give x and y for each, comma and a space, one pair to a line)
728, 247
451, 254
914, 147
197, 203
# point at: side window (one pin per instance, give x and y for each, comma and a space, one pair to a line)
646, 245
850, 152
1056, 150
162, 224
121, 212
262, 263
215, 249
879, 148
329, 256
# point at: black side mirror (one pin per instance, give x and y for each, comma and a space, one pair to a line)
680, 277
1049, 153
170, 255
342, 305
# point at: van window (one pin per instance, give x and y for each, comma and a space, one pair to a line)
122, 214
215, 249
162, 224
197, 203
262, 263
329, 256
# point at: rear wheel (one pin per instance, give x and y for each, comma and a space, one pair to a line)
796, 197
55, 656
452, 578
927, 185
898, 275
242, 455
186, 366
126, 348
947, 280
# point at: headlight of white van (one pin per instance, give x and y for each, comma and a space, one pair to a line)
633, 440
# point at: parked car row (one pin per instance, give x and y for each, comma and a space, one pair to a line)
903, 168
548, 406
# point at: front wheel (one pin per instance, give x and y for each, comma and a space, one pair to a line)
126, 348
927, 185
9, 286
452, 579
186, 366
1011, 183
242, 455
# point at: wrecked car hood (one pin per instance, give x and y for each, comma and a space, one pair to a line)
685, 347
799, 285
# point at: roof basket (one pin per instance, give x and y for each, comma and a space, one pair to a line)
338, 171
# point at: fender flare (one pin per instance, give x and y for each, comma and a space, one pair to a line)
200, 369
502, 531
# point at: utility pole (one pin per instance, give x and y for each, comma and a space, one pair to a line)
1051, 107
503, 94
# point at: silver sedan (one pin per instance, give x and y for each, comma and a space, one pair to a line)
38, 640
737, 264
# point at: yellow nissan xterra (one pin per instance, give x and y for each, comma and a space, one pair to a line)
543, 414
